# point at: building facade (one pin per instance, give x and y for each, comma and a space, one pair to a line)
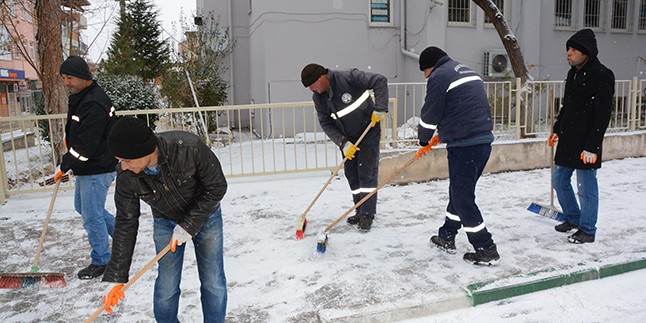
274, 39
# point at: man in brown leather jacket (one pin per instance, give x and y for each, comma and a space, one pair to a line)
182, 181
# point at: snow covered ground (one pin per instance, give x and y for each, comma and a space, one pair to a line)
274, 278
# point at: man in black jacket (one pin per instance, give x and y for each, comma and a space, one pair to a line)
345, 109
579, 130
181, 179
90, 116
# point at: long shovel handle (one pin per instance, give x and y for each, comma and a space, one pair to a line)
127, 285
552, 149
42, 235
365, 198
336, 171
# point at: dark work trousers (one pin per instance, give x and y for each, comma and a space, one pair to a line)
362, 173
465, 167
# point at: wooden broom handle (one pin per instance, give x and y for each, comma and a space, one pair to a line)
138, 275
49, 216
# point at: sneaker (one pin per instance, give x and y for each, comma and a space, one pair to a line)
354, 220
446, 244
565, 227
483, 257
91, 271
580, 237
366, 222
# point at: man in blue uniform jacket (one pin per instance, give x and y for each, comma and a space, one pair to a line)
345, 109
456, 106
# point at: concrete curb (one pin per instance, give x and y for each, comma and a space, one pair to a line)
477, 294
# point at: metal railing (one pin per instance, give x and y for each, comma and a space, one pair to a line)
263, 139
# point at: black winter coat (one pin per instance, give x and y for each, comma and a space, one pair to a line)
90, 117
191, 188
585, 114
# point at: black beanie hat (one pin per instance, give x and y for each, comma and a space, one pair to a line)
583, 41
130, 138
76, 66
429, 57
311, 73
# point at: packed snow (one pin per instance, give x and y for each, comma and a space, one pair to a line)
272, 277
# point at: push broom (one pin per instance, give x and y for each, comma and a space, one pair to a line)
549, 211
127, 285
301, 221
46, 279
322, 239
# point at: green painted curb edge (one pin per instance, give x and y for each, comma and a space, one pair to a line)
478, 296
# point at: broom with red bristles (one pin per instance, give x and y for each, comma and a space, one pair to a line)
301, 221
35, 278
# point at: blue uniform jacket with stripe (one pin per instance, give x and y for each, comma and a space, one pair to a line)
345, 109
456, 105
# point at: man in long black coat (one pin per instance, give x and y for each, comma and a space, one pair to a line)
579, 130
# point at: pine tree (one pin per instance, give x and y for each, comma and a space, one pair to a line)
137, 47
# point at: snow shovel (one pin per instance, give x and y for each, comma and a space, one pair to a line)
51, 279
301, 222
127, 285
549, 211
321, 244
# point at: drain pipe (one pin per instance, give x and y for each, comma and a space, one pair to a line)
402, 32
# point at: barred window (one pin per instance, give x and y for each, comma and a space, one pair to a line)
619, 14
501, 6
592, 14
641, 25
563, 13
460, 11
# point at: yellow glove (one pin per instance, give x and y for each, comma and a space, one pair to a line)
377, 116
349, 150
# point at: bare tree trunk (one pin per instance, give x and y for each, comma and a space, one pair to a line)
50, 52
510, 43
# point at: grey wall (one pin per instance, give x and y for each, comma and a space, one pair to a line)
276, 38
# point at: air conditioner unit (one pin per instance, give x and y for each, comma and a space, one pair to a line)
496, 64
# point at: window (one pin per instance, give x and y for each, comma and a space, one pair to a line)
563, 14
592, 14
460, 12
5, 44
619, 15
381, 13
501, 6
641, 25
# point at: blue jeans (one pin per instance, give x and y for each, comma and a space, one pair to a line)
585, 216
89, 200
465, 168
210, 267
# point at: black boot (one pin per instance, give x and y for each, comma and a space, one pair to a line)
365, 223
354, 220
91, 271
483, 257
565, 227
580, 237
446, 244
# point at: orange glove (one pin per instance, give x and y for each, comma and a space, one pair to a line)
428, 148
551, 141
58, 176
588, 157
113, 297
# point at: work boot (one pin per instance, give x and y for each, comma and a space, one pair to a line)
366, 222
354, 220
445, 244
483, 257
580, 237
565, 227
91, 271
